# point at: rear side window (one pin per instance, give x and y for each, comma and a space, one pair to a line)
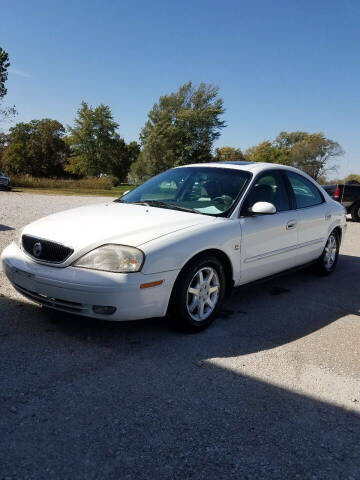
306, 193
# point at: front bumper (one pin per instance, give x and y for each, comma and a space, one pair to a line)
77, 290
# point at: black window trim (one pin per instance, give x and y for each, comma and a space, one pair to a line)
292, 193
241, 194
289, 189
287, 186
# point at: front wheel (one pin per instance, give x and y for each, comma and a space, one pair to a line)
198, 294
327, 262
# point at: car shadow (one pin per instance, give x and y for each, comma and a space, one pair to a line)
269, 314
4, 228
140, 400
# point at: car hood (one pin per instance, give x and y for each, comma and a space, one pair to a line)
126, 224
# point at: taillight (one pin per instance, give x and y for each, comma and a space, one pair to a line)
337, 193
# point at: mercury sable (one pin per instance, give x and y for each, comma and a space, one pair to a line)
178, 243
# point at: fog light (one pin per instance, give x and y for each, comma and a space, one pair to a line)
103, 310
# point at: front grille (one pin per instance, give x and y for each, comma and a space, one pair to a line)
45, 250
51, 302
4, 181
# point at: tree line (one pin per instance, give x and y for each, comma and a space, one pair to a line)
180, 129
92, 147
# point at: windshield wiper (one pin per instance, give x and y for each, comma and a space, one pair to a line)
173, 206
140, 203
118, 200
160, 204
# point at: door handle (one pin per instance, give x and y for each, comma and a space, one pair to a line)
291, 224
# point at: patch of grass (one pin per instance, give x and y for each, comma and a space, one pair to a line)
57, 186
89, 183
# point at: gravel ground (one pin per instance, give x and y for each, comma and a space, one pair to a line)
271, 390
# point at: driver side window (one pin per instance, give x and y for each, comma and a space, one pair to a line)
269, 187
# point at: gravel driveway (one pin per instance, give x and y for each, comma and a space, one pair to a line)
271, 390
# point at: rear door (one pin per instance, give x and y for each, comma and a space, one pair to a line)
314, 217
268, 242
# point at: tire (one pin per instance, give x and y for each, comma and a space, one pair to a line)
355, 212
326, 263
202, 282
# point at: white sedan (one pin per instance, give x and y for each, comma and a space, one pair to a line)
178, 243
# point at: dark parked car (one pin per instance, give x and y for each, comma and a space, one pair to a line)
5, 182
348, 195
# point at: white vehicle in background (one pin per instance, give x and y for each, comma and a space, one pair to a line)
178, 243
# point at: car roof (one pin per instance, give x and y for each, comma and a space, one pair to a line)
236, 163
254, 167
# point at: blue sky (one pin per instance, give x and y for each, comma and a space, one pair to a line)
280, 65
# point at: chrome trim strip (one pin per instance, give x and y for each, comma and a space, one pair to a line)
283, 250
270, 254
312, 242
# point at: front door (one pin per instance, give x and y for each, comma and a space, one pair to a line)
268, 242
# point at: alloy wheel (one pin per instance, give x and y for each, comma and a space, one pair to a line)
203, 293
330, 252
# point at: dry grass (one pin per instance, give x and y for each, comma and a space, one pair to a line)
89, 183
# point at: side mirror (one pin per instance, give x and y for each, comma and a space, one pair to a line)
262, 208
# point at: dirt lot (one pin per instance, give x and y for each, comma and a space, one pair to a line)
271, 390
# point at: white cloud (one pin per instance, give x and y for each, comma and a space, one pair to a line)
19, 73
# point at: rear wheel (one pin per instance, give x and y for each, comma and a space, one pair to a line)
355, 212
327, 262
198, 293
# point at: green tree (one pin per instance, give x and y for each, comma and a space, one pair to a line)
286, 140
36, 148
268, 152
93, 140
3, 142
181, 128
95, 145
315, 154
139, 171
6, 112
4, 65
122, 158
352, 178
322, 180
228, 154
311, 152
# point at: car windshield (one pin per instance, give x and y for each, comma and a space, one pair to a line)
209, 191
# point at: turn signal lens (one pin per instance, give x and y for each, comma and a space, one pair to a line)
151, 284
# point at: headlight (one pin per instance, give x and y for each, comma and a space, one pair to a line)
112, 258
